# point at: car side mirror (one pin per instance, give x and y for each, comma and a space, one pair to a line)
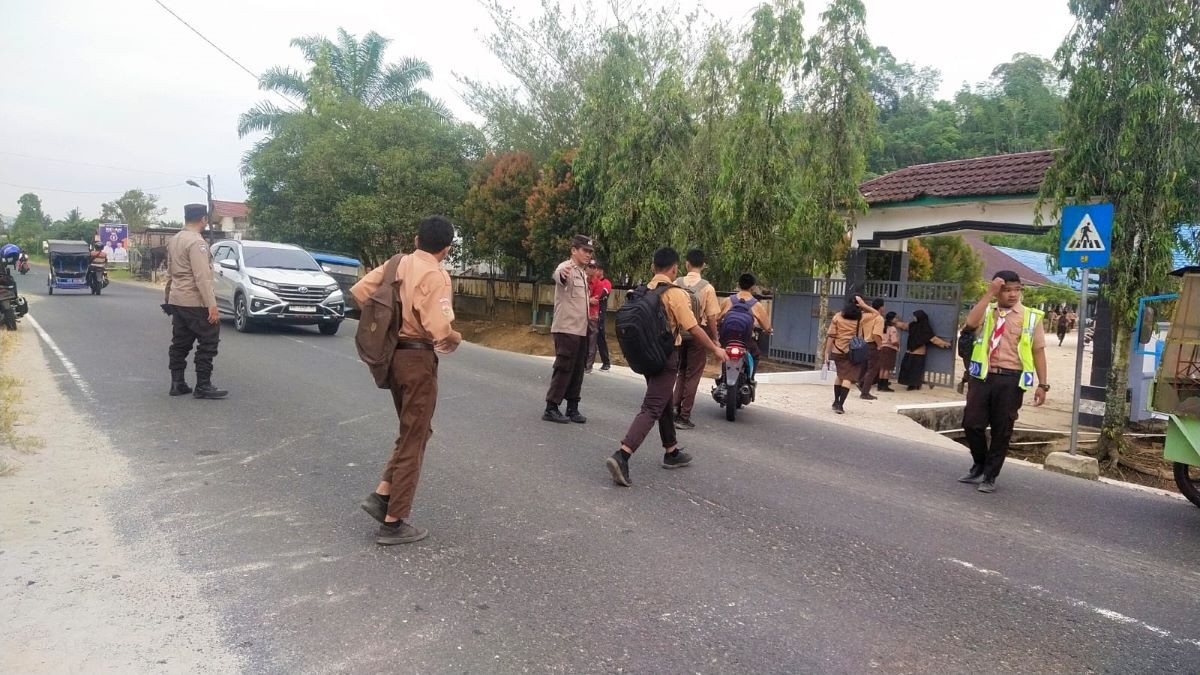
229, 264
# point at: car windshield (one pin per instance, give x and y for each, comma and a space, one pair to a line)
279, 258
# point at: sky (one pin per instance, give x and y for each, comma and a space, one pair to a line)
101, 97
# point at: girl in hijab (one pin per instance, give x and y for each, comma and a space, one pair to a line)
887, 353
920, 336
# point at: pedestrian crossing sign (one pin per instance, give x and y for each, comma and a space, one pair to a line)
1086, 236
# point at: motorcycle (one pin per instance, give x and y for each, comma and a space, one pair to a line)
97, 279
23, 266
734, 387
12, 306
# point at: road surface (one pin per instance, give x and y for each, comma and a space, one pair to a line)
791, 545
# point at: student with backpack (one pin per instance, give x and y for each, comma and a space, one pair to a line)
648, 329
407, 312
702, 298
740, 313
846, 347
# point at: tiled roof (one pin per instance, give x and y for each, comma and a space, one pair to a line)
1015, 174
223, 209
996, 259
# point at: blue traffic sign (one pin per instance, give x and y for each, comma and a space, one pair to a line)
1086, 239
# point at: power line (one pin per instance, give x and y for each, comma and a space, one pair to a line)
224, 53
88, 192
98, 166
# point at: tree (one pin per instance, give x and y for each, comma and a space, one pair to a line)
954, 261
135, 208
356, 179
1129, 137
1019, 109
357, 72
493, 224
920, 264
758, 189
29, 228
74, 227
553, 213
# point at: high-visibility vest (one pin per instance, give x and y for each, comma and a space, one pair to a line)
983, 344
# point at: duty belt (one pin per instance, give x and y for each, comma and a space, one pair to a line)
414, 344
1005, 371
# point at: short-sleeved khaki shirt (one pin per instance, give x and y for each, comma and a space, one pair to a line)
570, 299
841, 330
1007, 354
678, 306
872, 325
710, 306
189, 266
757, 309
426, 301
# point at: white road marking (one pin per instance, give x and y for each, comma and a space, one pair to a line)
1109, 614
84, 388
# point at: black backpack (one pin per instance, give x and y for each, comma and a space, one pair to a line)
643, 332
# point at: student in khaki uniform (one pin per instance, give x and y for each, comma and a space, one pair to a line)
191, 302
873, 332
426, 330
845, 325
570, 331
656, 406
692, 354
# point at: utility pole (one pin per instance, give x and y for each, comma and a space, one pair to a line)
208, 190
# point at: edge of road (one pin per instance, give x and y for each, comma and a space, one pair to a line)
129, 606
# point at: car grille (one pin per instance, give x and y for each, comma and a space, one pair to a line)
292, 293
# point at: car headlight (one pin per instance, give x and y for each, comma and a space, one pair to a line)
331, 288
264, 284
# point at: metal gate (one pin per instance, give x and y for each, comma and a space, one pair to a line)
795, 319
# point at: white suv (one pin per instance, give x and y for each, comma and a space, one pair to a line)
261, 282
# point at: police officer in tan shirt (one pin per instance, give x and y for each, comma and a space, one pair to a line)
656, 406
570, 332
426, 330
191, 301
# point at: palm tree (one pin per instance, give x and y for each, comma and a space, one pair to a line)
359, 73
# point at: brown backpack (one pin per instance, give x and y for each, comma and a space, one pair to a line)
379, 325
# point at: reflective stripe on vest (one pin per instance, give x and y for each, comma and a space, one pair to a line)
981, 353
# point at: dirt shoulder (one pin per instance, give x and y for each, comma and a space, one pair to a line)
76, 596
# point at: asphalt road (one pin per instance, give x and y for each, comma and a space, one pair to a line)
791, 545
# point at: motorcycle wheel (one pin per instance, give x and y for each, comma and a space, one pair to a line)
731, 403
1189, 484
10, 316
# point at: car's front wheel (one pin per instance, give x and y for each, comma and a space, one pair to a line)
241, 315
330, 328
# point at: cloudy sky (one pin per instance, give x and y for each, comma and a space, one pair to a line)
100, 97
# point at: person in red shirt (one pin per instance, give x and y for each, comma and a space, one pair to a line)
599, 289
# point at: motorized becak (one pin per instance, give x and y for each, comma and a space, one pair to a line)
69, 262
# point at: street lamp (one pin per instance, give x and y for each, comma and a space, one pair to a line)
207, 191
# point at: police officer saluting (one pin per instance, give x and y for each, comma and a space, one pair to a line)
191, 301
570, 331
1010, 349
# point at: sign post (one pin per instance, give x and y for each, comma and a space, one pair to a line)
1085, 243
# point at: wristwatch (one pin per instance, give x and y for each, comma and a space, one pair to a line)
1044, 387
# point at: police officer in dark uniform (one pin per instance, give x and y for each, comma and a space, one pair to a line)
191, 301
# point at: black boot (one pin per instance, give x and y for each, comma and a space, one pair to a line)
552, 414
179, 385
205, 389
884, 385
573, 413
839, 398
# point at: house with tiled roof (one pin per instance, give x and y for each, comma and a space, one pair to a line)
231, 219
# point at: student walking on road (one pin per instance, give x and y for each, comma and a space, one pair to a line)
1010, 350
845, 326
570, 331
676, 310
191, 302
599, 289
693, 356
1060, 329
426, 307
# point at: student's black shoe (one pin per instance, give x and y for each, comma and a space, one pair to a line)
884, 387
837, 408
987, 486
618, 466
911, 388
552, 414
674, 460
399, 532
975, 477
375, 506
605, 368
684, 424
868, 397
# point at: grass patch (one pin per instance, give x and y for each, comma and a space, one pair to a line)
10, 414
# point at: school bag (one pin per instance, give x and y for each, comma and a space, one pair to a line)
379, 325
738, 323
694, 299
858, 346
643, 332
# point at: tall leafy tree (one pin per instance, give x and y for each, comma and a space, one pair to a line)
553, 213
1019, 109
74, 226
841, 121
135, 208
1129, 137
493, 222
29, 228
357, 71
758, 189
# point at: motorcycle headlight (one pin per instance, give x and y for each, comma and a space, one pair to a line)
264, 283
